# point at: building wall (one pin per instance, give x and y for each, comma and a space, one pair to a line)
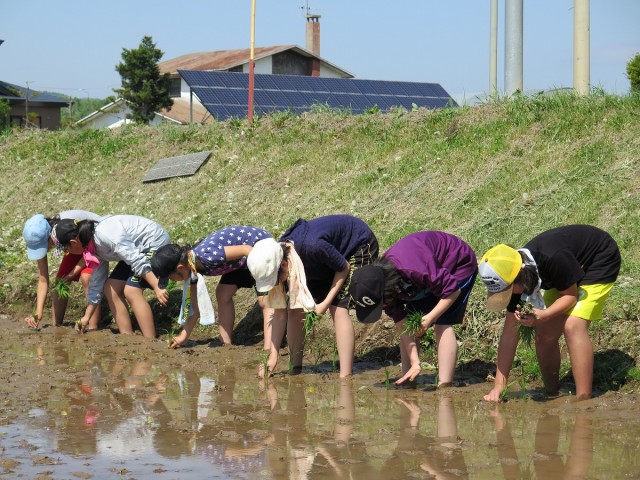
47, 117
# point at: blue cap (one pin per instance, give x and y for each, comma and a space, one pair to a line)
36, 235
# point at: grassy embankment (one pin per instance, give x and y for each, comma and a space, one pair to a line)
501, 172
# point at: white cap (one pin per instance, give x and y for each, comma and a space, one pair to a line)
263, 262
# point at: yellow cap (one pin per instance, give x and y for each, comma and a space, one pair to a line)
498, 268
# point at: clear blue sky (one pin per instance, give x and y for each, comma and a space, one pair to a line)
72, 46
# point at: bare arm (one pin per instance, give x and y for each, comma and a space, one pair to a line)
506, 353
442, 306
41, 296
338, 281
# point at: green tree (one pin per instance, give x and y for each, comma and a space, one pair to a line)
4, 115
633, 73
143, 87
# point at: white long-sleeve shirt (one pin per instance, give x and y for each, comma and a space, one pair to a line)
127, 238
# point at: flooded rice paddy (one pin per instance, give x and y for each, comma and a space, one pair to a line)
108, 406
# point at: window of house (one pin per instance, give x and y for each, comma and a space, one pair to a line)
176, 84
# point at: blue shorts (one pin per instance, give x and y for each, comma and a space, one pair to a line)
123, 272
455, 314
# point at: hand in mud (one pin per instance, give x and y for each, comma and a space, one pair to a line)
493, 395
179, 339
411, 374
82, 325
32, 322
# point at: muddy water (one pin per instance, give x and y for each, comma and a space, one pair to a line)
108, 406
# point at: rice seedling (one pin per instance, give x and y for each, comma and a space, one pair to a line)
61, 288
413, 324
387, 380
310, 320
505, 392
527, 334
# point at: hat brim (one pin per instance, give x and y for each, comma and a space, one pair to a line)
265, 284
369, 314
163, 282
37, 253
498, 301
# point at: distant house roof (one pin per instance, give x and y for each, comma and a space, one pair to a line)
114, 114
226, 59
17, 94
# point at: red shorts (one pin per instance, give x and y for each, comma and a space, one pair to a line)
68, 263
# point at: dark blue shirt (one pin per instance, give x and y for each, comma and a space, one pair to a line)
325, 244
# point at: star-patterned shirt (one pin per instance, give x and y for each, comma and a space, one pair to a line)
210, 251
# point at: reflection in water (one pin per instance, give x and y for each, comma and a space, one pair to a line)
549, 460
226, 424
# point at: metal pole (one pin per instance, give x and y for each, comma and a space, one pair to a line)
513, 47
581, 50
251, 62
493, 50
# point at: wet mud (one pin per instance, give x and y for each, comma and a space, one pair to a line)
103, 405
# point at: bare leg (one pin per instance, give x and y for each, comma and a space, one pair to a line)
58, 308
295, 336
141, 309
345, 339
548, 352
576, 334
94, 321
114, 291
447, 353
226, 311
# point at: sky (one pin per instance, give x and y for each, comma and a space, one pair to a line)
73, 46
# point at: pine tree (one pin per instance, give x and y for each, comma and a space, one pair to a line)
143, 87
633, 73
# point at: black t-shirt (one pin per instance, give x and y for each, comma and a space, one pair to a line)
581, 254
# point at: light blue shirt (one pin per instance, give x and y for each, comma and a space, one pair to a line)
127, 238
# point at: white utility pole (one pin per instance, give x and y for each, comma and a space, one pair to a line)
513, 47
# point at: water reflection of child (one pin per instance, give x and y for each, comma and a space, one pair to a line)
547, 460
440, 457
576, 267
72, 268
428, 272
223, 253
330, 248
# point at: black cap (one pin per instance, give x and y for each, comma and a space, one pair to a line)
366, 291
164, 262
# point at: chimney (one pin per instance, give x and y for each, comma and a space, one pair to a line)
313, 42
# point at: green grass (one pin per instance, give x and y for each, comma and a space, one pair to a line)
497, 173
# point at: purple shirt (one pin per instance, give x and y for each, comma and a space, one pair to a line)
433, 261
210, 251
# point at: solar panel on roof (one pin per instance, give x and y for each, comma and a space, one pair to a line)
225, 94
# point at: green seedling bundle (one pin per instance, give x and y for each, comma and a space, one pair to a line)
61, 288
527, 334
413, 324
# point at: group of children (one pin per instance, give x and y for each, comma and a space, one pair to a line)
332, 264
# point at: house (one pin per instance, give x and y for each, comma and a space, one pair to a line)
279, 59
32, 108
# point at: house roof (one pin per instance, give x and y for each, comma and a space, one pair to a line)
226, 59
17, 94
179, 113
